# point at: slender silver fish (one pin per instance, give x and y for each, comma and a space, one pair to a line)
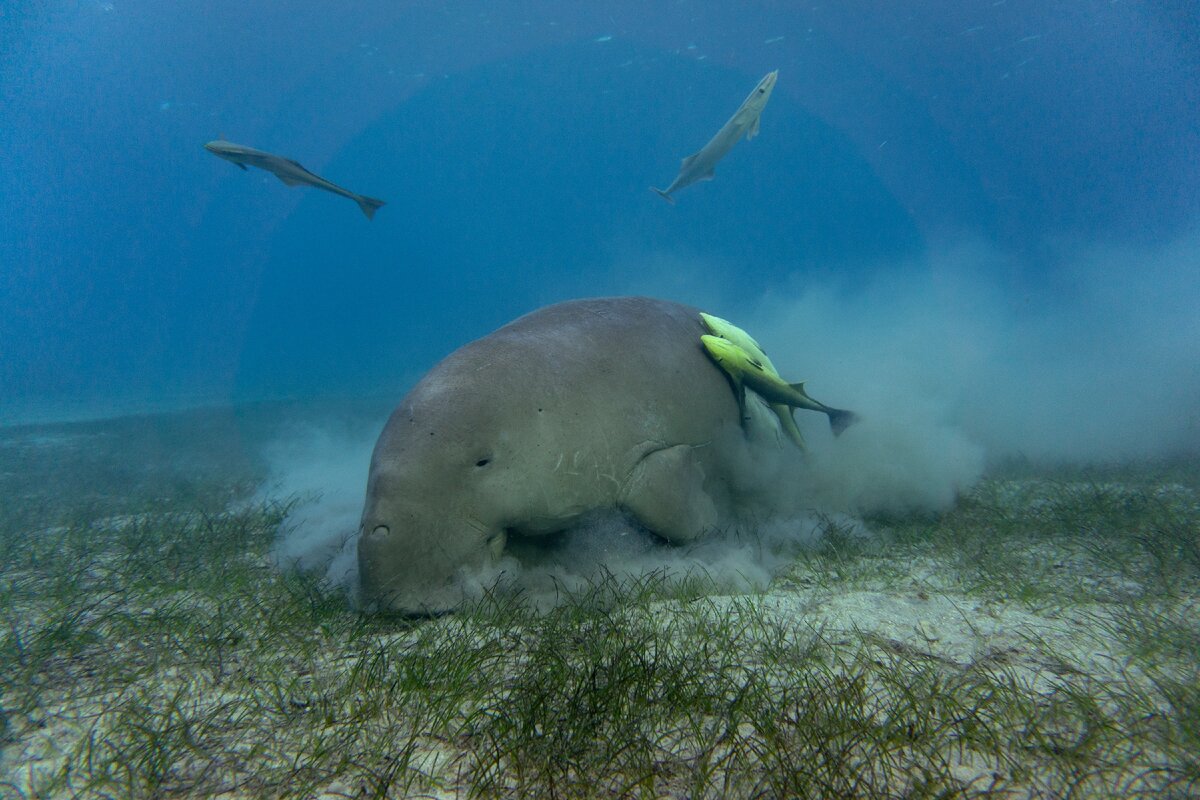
288, 171
744, 122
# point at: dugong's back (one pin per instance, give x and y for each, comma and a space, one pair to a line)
632, 361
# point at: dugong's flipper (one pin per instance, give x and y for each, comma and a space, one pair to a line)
666, 495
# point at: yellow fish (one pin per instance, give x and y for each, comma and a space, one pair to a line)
727, 330
745, 371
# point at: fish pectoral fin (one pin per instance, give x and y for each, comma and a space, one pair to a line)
708, 176
788, 423
289, 181
753, 131
243, 167
743, 413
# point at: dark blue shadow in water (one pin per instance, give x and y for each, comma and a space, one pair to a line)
525, 182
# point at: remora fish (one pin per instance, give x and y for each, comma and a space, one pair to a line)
727, 330
745, 371
744, 122
287, 170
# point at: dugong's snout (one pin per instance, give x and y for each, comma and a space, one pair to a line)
407, 571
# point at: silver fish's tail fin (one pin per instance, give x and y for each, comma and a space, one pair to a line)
663, 195
840, 419
369, 205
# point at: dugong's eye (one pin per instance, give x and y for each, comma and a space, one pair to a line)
483, 462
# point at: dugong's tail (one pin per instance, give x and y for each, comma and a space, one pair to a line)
663, 195
840, 419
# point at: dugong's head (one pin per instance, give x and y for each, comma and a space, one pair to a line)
444, 486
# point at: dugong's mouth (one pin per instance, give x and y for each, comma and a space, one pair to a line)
383, 608
423, 573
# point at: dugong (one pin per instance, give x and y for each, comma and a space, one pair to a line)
586, 405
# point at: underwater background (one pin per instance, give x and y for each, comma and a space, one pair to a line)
974, 224
993, 204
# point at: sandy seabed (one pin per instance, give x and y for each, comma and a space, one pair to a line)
152, 646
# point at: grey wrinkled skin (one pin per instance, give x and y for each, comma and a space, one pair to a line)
585, 405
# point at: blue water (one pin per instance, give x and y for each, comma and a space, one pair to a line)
515, 144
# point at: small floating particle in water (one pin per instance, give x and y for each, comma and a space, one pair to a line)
773, 40
603, 39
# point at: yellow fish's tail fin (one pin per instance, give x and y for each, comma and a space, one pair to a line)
840, 419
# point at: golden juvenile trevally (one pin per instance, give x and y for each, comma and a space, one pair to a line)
287, 170
744, 122
727, 330
745, 372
